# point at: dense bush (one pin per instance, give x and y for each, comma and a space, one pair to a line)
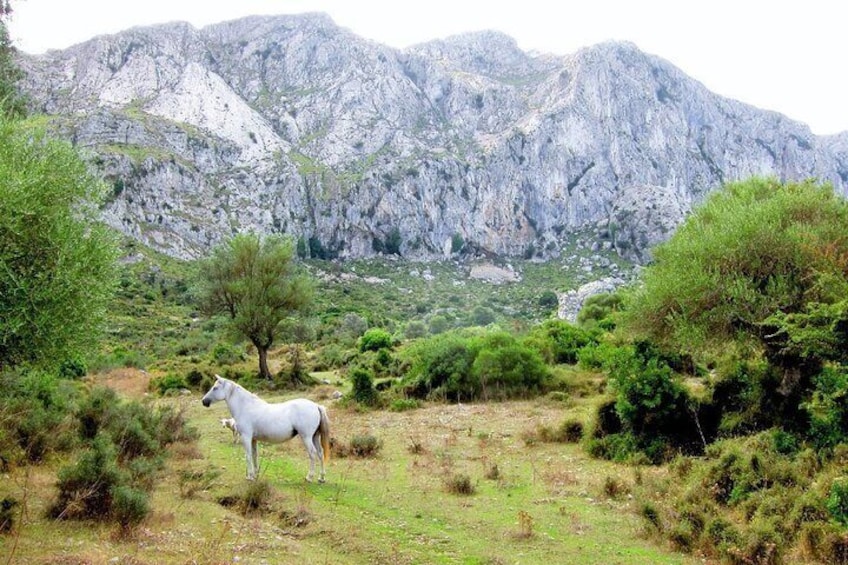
746, 502
35, 414
86, 487
471, 365
375, 339
598, 310
559, 342
363, 391
828, 409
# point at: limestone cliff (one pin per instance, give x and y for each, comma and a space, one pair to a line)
292, 124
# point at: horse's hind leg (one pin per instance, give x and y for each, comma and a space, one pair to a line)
310, 451
319, 453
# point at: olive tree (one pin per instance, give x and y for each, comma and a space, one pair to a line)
57, 260
254, 282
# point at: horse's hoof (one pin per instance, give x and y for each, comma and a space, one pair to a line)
322, 480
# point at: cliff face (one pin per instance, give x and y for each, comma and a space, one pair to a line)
291, 124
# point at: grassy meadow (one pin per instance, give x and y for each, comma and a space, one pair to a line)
519, 501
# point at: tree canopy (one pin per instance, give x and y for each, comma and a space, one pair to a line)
255, 283
57, 261
12, 103
761, 266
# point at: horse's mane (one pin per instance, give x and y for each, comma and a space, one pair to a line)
238, 386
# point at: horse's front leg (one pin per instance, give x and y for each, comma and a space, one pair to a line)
249, 446
255, 458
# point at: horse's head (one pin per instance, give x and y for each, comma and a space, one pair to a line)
217, 392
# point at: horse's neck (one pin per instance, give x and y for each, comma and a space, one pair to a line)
241, 401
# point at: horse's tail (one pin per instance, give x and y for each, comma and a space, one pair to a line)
324, 429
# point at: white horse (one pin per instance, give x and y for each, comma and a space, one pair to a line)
258, 420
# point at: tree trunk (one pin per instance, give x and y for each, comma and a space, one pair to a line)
263, 362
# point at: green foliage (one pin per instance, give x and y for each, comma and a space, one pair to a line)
837, 501
439, 365
95, 411
7, 516
167, 383
12, 102
254, 282
746, 502
227, 354
34, 414
457, 243
481, 316
86, 487
375, 339
393, 242
363, 386
365, 446
598, 311
57, 261
559, 342
468, 366
760, 265
129, 506
828, 409
460, 484
508, 371
548, 299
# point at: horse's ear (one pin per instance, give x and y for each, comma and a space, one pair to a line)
217, 377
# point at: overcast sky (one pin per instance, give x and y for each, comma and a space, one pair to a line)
787, 56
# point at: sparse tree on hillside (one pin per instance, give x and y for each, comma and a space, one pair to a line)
57, 261
12, 103
762, 267
254, 282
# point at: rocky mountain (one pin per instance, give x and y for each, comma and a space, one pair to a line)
292, 124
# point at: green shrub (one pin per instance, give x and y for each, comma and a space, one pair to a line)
195, 379
648, 511
86, 487
598, 311
404, 404
226, 354
459, 484
7, 515
837, 501
506, 371
548, 299
564, 340
129, 506
363, 390
73, 368
42, 404
375, 339
828, 409
365, 446
95, 410
168, 383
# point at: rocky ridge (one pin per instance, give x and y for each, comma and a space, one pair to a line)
294, 125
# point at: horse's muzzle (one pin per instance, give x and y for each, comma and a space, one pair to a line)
206, 402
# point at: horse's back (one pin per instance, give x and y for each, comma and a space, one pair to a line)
284, 420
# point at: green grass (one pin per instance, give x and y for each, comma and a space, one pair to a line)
393, 508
